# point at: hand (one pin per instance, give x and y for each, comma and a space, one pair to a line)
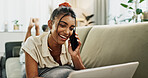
31, 24
37, 28
77, 50
36, 21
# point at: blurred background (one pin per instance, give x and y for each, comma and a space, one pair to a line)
15, 14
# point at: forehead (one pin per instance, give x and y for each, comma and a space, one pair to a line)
68, 19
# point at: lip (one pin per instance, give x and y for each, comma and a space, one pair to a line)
63, 39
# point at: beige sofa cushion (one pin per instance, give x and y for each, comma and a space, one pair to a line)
107, 45
82, 33
13, 68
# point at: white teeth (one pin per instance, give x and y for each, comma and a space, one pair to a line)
63, 36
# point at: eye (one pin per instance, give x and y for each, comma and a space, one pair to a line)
62, 25
71, 28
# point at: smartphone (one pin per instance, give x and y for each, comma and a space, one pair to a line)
73, 41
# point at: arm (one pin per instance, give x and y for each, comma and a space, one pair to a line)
31, 66
31, 24
37, 30
28, 34
36, 21
77, 62
76, 58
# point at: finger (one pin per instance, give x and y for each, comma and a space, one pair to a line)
79, 43
77, 37
69, 46
77, 49
76, 34
68, 43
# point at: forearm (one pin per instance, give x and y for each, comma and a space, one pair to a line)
77, 62
37, 30
28, 34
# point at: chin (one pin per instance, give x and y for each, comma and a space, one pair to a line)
61, 42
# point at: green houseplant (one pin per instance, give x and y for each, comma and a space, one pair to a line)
16, 25
135, 10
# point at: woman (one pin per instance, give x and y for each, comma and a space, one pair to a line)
51, 51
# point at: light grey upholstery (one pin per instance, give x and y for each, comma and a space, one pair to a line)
13, 68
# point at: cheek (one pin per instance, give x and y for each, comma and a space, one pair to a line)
60, 29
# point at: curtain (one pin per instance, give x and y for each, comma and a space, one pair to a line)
101, 12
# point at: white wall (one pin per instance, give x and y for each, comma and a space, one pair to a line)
2, 7
23, 10
8, 37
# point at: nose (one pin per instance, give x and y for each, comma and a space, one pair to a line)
67, 31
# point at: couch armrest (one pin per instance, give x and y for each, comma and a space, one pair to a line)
16, 51
3, 61
11, 47
13, 69
3, 71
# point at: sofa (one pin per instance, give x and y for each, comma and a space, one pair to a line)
104, 45
11, 50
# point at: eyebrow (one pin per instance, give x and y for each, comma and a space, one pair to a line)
64, 22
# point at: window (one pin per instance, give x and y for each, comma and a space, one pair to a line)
117, 13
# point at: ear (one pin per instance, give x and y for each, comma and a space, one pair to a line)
50, 24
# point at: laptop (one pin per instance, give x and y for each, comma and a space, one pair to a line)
125, 70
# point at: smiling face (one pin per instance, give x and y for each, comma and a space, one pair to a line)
64, 30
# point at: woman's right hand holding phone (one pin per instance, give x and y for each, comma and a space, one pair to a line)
77, 50
76, 58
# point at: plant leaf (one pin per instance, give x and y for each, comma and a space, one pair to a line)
141, 1
16, 21
138, 11
124, 5
130, 8
120, 15
133, 16
130, 1
129, 20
